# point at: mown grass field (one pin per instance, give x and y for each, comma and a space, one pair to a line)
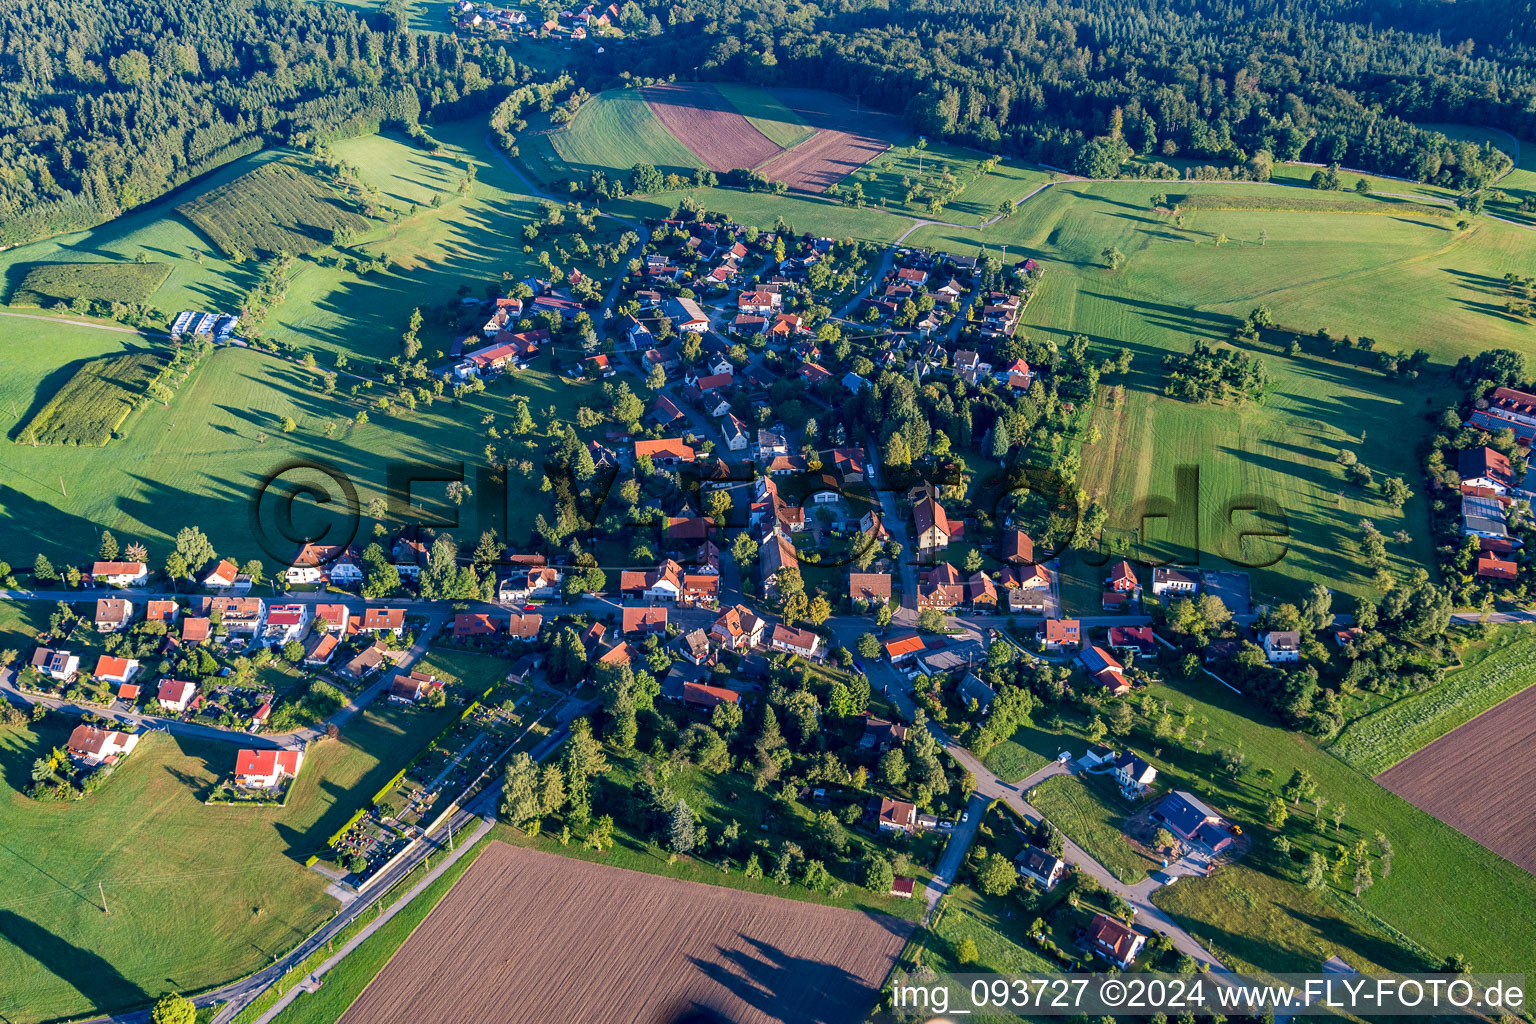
1430, 857
1090, 813
203, 460
767, 114
276, 208
170, 867
50, 283
1314, 270
1519, 184
611, 133
801, 212
887, 177
1381, 739
94, 401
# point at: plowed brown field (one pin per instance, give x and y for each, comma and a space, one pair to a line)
704, 121
846, 139
530, 936
1479, 778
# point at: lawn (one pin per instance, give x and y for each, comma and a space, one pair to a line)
1520, 184
1090, 813
611, 133
887, 178
1381, 739
465, 673
802, 213
767, 114
49, 283
1314, 271
1026, 751
169, 866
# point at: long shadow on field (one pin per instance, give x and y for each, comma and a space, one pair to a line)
1375, 948
90, 975
1216, 326
788, 988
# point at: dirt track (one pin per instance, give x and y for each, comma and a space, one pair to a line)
533, 937
1479, 778
704, 121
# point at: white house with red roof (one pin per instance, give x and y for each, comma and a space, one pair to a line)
91, 746
266, 768
115, 670
176, 694
120, 574
223, 575
286, 622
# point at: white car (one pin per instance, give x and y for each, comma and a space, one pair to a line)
965, 816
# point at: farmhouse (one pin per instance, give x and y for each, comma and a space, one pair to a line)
1483, 470
1113, 941
175, 694
56, 664
119, 574
115, 670
267, 768
869, 587
92, 746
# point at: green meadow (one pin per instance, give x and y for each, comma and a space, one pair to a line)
612, 132
937, 169
1406, 280
767, 114
197, 895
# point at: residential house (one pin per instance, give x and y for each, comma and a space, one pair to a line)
1015, 376
1134, 775
1486, 517
115, 670
1483, 471
1016, 548
524, 627
332, 618
972, 687
933, 528
869, 587
1113, 941
408, 688
383, 620
900, 649
738, 629
663, 583
1104, 670
794, 641
472, 624
814, 373
1167, 580
1282, 645
643, 620
761, 302
113, 614
1028, 588
776, 555
665, 453
1189, 818
366, 663
320, 649
1133, 638
541, 581
894, 815
91, 746
880, 734
266, 768
223, 576
119, 574
701, 588
1058, 633
702, 695
195, 629
1491, 567
770, 444
337, 563
175, 695
694, 646
941, 589
240, 616
735, 433
286, 622
686, 316
1046, 869
162, 611
619, 654
849, 464
56, 664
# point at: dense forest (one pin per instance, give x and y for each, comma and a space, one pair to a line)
106, 104
1214, 80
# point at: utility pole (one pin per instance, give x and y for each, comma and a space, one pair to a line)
103, 892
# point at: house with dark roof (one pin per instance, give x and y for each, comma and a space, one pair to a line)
1169, 580
1134, 775
1281, 645
1189, 818
1484, 469
1046, 869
